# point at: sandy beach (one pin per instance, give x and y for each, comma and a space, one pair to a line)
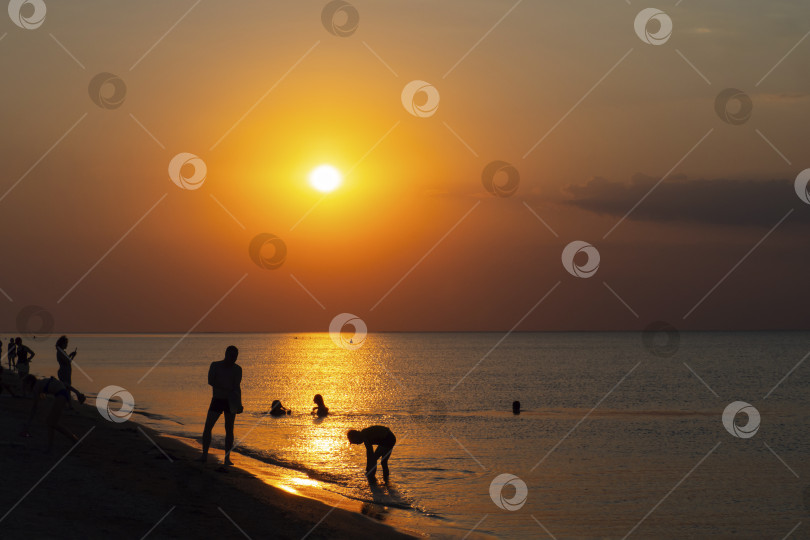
116, 482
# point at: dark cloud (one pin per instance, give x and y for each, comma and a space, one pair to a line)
758, 203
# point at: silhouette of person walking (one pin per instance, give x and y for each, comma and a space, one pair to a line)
375, 435
24, 357
225, 378
65, 373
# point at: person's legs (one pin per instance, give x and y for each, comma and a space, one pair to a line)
66, 383
210, 420
385, 453
230, 418
53, 421
73, 389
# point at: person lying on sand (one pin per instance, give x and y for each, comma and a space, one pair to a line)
4, 385
38, 387
225, 378
384, 439
277, 409
320, 410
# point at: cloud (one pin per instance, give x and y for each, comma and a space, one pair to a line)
757, 203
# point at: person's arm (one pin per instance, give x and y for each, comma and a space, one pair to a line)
237, 389
31, 352
370, 461
211, 374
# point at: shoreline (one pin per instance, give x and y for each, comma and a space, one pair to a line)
129, 477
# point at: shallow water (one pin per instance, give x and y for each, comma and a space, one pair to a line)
590, 471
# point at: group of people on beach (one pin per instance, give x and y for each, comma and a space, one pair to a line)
19, 358
225, 379
18, 355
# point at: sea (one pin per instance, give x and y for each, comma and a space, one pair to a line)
653, 434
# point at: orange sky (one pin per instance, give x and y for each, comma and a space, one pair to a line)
606, 105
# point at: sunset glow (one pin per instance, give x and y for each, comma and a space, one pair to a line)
325, 178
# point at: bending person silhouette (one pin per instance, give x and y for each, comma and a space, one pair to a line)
60, 396
375, 435
225, 378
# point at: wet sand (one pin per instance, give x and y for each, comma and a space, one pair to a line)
118, 483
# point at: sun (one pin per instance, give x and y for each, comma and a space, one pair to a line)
325, 178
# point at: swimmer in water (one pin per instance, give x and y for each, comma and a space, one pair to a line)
277, 409
320, 410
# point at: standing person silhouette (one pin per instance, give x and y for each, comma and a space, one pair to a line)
24, 357
384, 439
12, 354
225, 378
65, 373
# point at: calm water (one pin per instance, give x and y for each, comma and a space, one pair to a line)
596, 477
